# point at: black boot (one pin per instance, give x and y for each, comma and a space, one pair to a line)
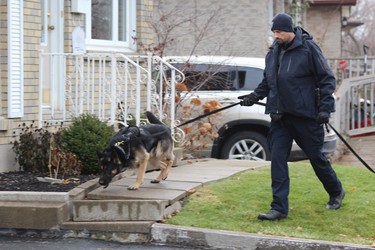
272, 215
336, 201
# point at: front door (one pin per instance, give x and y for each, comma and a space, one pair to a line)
52, 44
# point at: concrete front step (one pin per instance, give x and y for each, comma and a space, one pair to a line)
32, 214
172, 191
118, 210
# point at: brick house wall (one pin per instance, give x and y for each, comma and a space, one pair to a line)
324, 24
3, 56
239, 28
32, 23
242, 28
32, 34
31, 46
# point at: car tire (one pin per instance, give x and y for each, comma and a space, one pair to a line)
246, 145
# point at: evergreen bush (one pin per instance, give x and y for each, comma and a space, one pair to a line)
86, 136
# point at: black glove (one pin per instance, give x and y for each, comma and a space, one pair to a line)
248, 100
323, 117
276, 117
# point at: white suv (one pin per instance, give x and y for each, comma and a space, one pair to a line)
242, 130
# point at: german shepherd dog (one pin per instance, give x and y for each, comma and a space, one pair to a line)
137, 147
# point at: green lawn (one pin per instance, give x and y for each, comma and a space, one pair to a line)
234, 204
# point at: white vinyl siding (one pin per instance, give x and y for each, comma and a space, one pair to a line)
15, 58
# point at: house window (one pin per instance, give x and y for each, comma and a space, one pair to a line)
111, 25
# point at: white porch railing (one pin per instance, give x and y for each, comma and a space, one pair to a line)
355, 94
348, 67
355, 105
116, 88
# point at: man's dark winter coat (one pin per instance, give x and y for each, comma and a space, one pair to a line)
289, 84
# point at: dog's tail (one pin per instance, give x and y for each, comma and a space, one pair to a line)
152, 118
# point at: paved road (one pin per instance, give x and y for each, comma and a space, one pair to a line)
30, 243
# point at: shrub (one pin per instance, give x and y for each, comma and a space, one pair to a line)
31, 146
86, 136
38, 151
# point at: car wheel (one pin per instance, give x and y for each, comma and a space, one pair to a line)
246, 145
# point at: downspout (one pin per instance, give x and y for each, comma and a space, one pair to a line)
270, 17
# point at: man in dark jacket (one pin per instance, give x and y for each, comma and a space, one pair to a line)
298, 85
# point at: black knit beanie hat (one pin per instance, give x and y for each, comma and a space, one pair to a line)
282, 22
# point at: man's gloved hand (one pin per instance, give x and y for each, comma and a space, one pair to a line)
248, 100
323, 117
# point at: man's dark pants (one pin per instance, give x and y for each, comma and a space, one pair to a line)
309, 136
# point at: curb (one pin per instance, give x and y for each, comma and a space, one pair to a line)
221, 239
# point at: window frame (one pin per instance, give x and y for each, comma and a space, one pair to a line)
250, 79
114, 45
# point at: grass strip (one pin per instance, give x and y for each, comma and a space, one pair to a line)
234, 204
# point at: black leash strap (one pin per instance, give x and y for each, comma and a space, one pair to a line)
207, 114
351, 149
346, 143
213, 112
263, 104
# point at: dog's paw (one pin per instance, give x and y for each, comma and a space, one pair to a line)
155, 181
164, 176
133, 187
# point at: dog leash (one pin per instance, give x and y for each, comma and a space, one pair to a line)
207, 114
343, 140
351, 149
213, 112
263, 104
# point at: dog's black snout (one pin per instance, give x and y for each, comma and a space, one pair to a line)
102, 182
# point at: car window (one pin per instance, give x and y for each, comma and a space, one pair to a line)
203, 77
249, 77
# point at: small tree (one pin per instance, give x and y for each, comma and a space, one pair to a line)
170, 26
354, 39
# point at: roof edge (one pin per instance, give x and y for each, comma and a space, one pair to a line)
332, 2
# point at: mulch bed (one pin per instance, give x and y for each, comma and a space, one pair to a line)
26, 181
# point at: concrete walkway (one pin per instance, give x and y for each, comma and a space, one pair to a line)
365, 148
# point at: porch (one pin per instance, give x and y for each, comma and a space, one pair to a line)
117, 88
